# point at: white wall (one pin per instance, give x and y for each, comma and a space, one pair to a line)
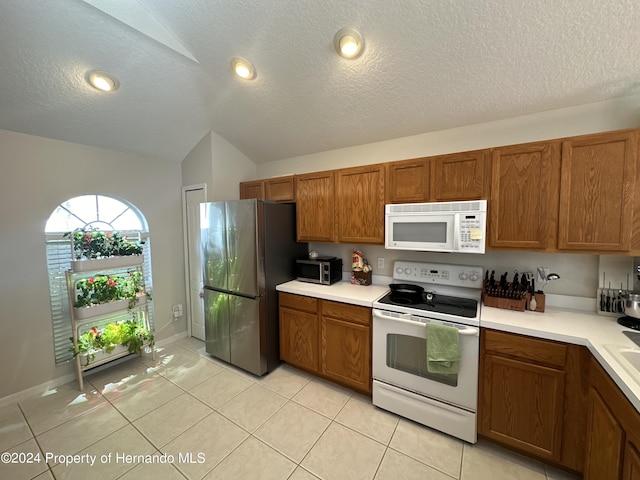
579, 272
197, 166
595, 117
220, 165
37, 175
230, 167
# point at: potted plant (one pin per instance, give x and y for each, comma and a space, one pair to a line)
113, 338
110, 249
103, 294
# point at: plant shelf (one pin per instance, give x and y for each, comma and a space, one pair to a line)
106, 263
100, 313
101, 309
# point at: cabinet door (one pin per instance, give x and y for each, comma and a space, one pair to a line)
523, 207
522, 405
346, 353
299, 338
315, 213
254, 189
408, 181
281, 189
596, 192
605, 441
631, 468
459, 176
360, 204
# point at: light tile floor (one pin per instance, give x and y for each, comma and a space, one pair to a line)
197, 418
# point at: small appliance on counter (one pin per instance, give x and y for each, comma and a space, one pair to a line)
324, 270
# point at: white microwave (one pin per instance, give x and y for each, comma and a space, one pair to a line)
436, 227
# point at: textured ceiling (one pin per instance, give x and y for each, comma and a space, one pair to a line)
427, 65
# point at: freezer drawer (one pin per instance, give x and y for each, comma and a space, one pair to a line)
247, 334
216, 324
235, 330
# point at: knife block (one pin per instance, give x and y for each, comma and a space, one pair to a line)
517, 304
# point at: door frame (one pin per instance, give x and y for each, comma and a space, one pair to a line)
185, 247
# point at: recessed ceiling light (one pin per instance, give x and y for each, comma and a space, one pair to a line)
243, 68
348, 42
103, 81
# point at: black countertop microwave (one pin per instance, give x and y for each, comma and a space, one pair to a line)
322, 270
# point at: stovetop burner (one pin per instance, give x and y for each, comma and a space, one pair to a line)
630, 322
460, 307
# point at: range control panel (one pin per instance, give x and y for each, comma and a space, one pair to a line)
438, 273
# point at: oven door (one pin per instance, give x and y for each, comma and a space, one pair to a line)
400, 359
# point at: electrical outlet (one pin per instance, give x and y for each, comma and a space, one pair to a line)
380, 262
177, 310
543, 272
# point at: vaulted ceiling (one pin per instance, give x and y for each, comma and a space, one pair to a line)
427, 65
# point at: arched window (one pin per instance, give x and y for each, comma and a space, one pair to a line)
100, 212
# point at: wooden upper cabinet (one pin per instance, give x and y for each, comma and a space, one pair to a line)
524, 198
597, 191
253, 189
315, 212
280, 189
460, 176
360, 204
407, 181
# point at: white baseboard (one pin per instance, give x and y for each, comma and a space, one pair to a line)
36, 390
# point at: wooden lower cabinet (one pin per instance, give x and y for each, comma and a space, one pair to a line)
631, 467
606, 440
329, 339
531, 391
299, 326
525, 407
613, 431
346, 344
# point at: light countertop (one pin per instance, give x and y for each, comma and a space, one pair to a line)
570, 326
344, 291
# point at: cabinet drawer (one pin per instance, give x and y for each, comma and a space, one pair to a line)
298, 302
527, 348
344, 311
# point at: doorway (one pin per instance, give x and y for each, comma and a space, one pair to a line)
192, 197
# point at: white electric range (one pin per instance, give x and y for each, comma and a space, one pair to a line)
422, 293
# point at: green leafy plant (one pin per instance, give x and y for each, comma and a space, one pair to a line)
135, 334
131, 334
108, 288
89, 243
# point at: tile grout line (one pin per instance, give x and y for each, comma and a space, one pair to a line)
35, 439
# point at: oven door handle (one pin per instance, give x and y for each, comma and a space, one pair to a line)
467, 331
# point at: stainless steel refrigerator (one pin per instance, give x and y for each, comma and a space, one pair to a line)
248, 247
